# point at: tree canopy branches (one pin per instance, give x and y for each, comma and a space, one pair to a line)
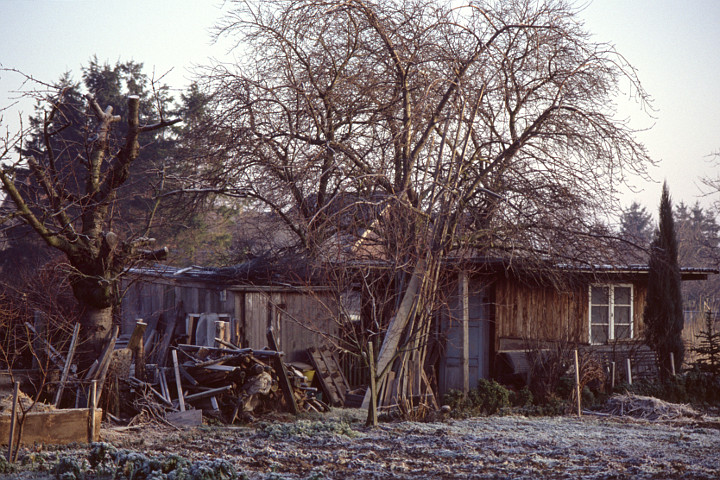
330, 99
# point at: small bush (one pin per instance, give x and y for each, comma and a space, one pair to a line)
523, 397
491, 397
488, 398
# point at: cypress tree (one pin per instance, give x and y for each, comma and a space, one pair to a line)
663, 314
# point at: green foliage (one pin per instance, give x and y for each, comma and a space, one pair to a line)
636, 225
5, 466
663, 315
105, 461
308, 429
488, 398
702, 387
708, 348
523, 397
70, 468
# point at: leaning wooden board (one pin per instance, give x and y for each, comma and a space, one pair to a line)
332, 381
57, 427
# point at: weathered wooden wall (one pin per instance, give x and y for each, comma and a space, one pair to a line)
300, 319
540, 312
144, 299
297, 316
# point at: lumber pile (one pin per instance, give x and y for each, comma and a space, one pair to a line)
230, 383
150, 374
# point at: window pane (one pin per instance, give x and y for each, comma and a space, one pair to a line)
599, 315
622, 331
598, 334
622, 295
600, 295
622, 315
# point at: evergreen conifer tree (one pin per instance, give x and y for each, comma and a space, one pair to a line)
708, 348
663, 314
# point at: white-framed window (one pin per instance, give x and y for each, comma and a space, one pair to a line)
611, 312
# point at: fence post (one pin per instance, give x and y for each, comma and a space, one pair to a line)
629, 371
672, 363
577, 383
13, 421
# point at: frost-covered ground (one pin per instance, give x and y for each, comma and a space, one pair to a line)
496, 447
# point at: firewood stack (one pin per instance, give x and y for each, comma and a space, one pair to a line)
234, 383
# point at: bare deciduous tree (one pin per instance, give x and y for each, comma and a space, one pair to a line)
67, 194
425, 128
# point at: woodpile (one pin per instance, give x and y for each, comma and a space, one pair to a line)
178, 382
230, 383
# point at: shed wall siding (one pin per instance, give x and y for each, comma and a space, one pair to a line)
296, 316
544, 313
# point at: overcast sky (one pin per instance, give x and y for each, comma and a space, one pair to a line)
673, 44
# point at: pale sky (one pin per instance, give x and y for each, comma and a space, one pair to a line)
673, 44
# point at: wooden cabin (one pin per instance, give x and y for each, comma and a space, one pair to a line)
495, 314
300, 315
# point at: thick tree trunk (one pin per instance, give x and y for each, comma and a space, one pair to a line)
96, 326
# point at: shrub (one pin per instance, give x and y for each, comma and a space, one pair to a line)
523, 397
708, 348
488, 398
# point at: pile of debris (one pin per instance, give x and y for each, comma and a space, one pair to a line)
151, 373
648, 408
224, 381
233, 383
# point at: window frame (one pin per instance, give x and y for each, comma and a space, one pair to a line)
611, 311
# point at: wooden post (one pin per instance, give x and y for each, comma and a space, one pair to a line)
465, 325
136, 339
577, 384
672, 363
372, 420
178, 384
629, 371
106, 359
13, 421
140, 362
92, 405
612, 376
220, 333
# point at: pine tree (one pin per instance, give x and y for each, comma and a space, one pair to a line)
663, 314
708, 348
636, 225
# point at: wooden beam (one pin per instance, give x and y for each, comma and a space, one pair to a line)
68, 362
208, 393
464, 303
13, 421
178, 384
279, 367
389, 347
